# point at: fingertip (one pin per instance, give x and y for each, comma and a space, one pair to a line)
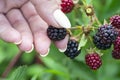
42, 44
30, 50
62, 45
45, 54
19, 42
63, 50
26, 45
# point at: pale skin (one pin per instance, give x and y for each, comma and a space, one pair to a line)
24, 22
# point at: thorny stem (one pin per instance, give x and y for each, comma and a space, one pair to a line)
85, 30
11, 64
91, 21
78, 36
75, 28
69, 32
96, 19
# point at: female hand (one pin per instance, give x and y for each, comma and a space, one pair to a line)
28, 24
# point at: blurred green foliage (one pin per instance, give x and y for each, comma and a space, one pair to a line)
56, 66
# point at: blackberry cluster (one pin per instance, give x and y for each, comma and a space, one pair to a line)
116, 51
72, 49
67, 6
105, 36
115, 21
93, 60
56, 34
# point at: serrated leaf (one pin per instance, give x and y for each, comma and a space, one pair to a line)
83, 41
19, 73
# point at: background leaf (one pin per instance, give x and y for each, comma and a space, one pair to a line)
19, 73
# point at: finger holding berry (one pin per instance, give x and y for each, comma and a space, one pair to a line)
42, 14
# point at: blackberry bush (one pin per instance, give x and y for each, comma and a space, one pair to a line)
85, 23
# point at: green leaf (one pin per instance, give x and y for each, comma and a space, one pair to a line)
35, 70
19, 73
55, 67
79, 71
83, 41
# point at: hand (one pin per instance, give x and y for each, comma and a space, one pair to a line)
38, 14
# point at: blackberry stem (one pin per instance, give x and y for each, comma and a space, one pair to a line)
69, 32
96, 19
91, 20
75, 28
78, 36
91, 41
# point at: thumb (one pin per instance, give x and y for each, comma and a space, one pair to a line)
49, 10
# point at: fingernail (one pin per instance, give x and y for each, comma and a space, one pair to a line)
19, 42
30, 49
44, 55
61, 19
63, 50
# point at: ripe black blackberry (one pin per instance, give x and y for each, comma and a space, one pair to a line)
116, 54
105, 36
56, 34
72, 49
93, 60
115, 21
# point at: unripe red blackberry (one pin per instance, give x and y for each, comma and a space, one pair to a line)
105, 36
116, 54
117, 44
93, 60
72, 49
115, 21
67, 6
116, 51
56, 34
